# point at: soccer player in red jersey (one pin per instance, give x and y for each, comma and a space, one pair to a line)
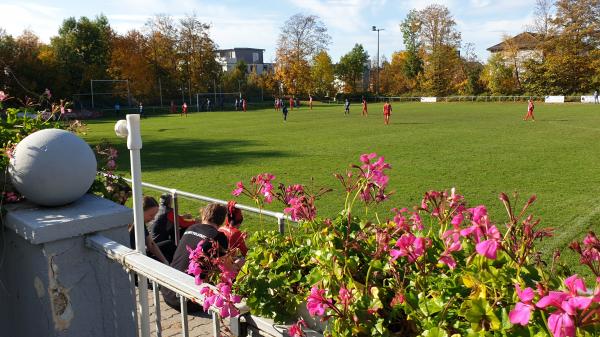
387, 111
291, 103
530, 108
364, 104
184, 109
244, 104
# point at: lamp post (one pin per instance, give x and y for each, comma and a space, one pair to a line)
375, 29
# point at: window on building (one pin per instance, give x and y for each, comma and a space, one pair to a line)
254, 57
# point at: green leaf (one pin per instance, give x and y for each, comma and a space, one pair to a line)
430, 306
435, 332
481, 316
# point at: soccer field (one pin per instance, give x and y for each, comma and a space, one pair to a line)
482, 149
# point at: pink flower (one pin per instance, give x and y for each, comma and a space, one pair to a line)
522, 311
111, 165
3, 96
575, 285
345, 296
316, 302
301, 208
448, 260
400, 219
478, 212
417, 223
410, 246
296, 329
457, 220
568, 305
366, 158
561, 324
452, 243
489, 247
239, 189
266, 188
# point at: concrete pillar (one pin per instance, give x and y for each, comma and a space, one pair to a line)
51, 284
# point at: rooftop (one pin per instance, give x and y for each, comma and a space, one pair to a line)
523, 41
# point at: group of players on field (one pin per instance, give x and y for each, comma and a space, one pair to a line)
295, 102
387, 108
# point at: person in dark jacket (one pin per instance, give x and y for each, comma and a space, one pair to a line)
162, 226
213, 216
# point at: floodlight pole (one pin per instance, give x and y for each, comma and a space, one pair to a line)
375, 29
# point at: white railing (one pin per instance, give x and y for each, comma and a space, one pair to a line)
160, 275
281, 217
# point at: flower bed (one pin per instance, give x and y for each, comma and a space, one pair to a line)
442, 268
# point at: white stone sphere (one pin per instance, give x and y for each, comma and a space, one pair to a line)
52, 167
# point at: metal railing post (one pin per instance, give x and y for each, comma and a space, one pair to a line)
216, 324
184, 318
157, 308
281, 225
135, 313
175, 215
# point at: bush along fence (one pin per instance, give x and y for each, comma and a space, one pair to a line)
442, 268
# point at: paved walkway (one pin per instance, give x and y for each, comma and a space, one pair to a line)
199, 324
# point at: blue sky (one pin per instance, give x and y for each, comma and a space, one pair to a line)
243, 23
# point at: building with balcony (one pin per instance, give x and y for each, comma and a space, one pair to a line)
253, 58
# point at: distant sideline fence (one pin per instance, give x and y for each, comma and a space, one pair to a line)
491, 98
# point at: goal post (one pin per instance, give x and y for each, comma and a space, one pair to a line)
210, 101
110, 93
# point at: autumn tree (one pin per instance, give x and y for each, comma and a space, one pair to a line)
498, 76
440, 41
411, 27
130, 60
570, 50
351, 68
394, 80
162, 34
301, 38
322, 75
198, 66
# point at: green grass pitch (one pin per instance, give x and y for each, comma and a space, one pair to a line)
482, 149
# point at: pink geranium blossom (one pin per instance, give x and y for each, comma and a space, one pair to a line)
489, 247
239, 189
523, 309
345, 296
410, 246
568, 306
316, 302
296, 330
3, 96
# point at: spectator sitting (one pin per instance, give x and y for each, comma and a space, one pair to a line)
150, 207
235, 238
207, 233
162, 226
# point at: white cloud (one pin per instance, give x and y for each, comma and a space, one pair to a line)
41, 19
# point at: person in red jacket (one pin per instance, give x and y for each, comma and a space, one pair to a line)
530, 108
365, 112
235, 238
291, 103
387, 112
184, 109
244, 104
